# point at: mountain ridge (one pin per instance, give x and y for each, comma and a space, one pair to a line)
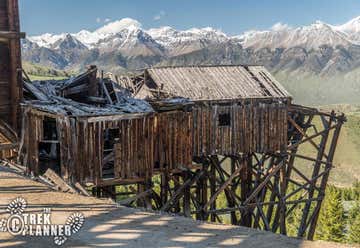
345, 34
318, 50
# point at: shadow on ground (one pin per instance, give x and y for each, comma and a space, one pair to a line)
109, 226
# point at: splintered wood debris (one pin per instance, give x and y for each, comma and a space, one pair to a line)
84, 95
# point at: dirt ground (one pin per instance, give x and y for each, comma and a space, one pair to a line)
107, 225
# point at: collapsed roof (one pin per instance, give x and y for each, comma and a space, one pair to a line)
8, 138
84, 95
210, 83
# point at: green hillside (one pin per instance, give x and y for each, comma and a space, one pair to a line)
347, 157
318, 90
346, 169
39, 72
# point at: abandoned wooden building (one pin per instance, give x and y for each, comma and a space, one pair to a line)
246, 139
200, 141
237, 109
79, 139
204, 131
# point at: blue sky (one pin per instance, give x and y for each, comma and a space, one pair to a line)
231, 16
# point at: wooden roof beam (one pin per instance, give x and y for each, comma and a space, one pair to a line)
8, 35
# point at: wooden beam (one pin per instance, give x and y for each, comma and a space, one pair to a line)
223, 186
8, 146
180, 191
304, 134
263, 183
317, 165
324, 180
128, 201
8, 35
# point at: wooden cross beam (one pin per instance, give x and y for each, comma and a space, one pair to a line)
180, 191
225, 185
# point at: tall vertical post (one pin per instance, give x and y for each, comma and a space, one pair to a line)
187, 198
320, 155
15, 63
325, 178
246, 182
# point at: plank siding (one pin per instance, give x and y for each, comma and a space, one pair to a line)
255, 127
10, 65
5, 98
166, 141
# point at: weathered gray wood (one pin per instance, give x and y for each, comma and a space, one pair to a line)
58, 181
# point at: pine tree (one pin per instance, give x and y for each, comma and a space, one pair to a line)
332, 219
354, 221
294, 218
354, 212
354, 234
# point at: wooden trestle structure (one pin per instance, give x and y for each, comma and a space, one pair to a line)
258, 166
230, 149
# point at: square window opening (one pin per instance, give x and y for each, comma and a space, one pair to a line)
224, 120
50, 129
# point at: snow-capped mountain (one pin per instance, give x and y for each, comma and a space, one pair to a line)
183, 42
126, 35
309, 37
317, 48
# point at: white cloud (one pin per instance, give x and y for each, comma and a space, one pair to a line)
280, 27
160, 15
98, 20
107, 20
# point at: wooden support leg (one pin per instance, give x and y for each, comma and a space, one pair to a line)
176, 206
164, 187
282, 205
324, 180
144, 202
246, 181
212, 182
320, 155
231, 204
187, 198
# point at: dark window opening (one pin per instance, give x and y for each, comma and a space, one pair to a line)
49, 129
224, 119
157, 165
111, 137
49, 157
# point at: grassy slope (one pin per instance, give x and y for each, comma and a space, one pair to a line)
318, 90
333, 92
38, 72
347, 157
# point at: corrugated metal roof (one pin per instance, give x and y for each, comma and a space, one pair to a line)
217, 82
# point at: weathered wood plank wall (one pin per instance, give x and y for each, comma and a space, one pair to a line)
255, 127
157, 142
134, 156
5, 107
133, 151
173, 144
10, 64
